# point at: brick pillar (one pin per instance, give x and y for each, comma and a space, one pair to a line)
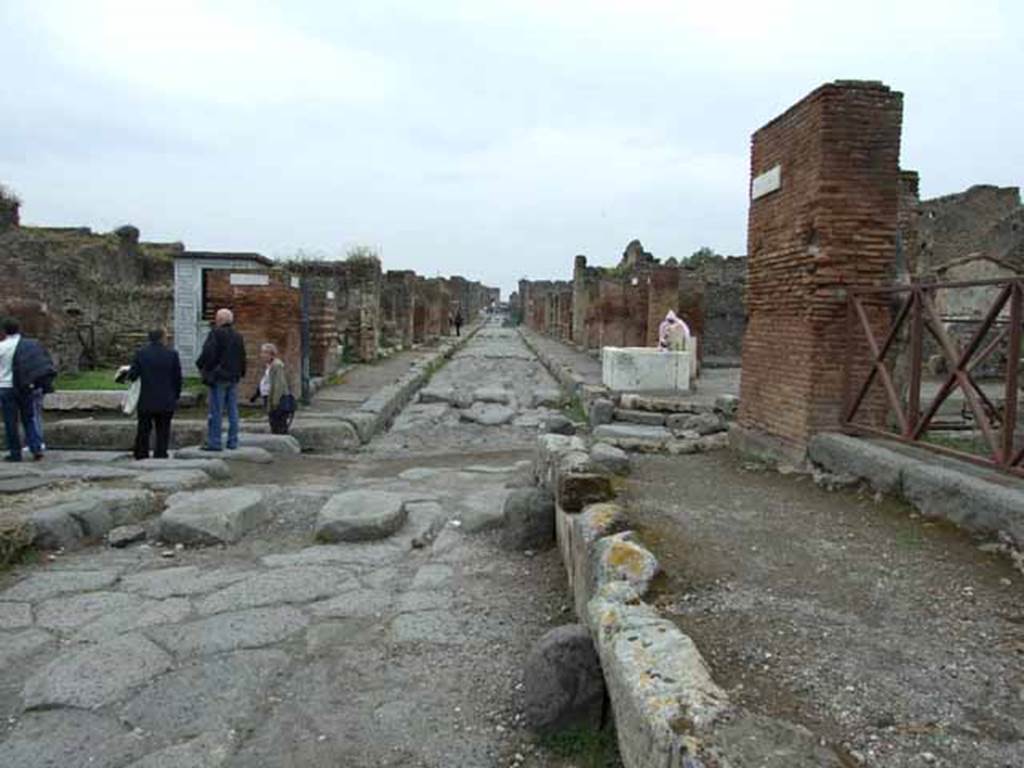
825, 190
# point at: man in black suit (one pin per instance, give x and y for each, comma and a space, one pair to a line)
159, 369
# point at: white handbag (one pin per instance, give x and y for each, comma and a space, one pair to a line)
131, 397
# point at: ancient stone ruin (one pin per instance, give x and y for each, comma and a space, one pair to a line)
92, 297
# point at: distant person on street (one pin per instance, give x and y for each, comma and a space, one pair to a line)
26, 375
458, 321
159, 370
275, 391
222, 366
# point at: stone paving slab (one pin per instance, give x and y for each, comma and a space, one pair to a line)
91, 676
230, 631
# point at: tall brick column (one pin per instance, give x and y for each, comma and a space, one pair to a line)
824, 199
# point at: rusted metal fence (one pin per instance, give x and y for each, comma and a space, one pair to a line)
913, 316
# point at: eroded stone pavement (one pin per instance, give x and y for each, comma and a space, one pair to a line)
279, 651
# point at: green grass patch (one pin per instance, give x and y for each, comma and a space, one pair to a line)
103, 379
574, 409
586, 747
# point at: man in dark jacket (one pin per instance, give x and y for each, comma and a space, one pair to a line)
159, 370
26, 373
222, 366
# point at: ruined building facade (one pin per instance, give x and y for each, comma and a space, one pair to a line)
91, 298
624, 305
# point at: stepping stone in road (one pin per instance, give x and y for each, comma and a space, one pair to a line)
271, 443
498, 395
360, 516
215, 468
173, 480
242, 453
488, 415
220, 516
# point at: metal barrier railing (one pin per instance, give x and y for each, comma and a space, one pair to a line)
914, 318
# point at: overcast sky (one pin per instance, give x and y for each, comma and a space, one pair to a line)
494, 140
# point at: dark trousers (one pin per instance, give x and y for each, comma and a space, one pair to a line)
162, 422
20, 406
458, 329
279, 422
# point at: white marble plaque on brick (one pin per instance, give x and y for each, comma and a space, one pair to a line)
767, 182
249, 278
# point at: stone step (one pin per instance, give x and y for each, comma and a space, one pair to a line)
648, 418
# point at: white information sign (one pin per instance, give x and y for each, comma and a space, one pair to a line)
767, 182
295, 282
249, 278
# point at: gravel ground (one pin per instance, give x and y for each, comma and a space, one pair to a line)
897, 640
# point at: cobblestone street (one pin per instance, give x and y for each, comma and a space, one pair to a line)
278, 651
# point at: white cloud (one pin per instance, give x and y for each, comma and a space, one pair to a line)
227, 53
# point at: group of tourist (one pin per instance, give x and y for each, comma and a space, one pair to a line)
27, 373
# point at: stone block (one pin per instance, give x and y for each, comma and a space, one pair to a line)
646, 369
559, 425
123, 535
286, 444
563, 682
488, 414
701, 423
620, 557
548, 453
727, 405
220, 516
601, 411
529, 520
360, 516
650, 418
610, 458
55, 528
498, 395
578, 490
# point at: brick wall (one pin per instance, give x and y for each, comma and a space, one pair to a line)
830, 226
263, 313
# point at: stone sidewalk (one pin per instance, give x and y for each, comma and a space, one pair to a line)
893, 638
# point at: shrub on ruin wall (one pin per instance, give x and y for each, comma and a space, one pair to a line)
9, 205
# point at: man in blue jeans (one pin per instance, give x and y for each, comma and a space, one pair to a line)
26, 373
222, 366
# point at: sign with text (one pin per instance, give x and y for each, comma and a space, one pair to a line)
249, 278
766, 183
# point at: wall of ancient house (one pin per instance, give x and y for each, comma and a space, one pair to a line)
984, 219
89, 297
724, 314
828, 224
356, 285
432, 311
263, 313
398, 298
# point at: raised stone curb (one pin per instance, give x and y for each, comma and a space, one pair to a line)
668, 710
570, 381
935, 486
